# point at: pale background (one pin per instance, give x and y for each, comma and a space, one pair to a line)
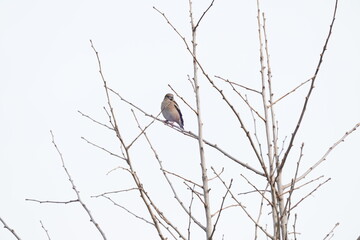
48, 72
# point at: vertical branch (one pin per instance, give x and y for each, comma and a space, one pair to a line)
205, 180
294, 226
190, 206
282, 211
269, 139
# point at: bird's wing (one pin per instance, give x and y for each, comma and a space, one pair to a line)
180, 114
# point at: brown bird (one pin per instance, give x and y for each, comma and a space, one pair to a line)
171, 111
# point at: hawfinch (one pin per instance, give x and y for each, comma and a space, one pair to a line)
171, 111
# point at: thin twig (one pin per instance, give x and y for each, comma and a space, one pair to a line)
75, 189
292, 188
181, 177
10, 229
254, 191
332, 231
224, 208
46, 231
182, 99
202, 16
113, 192
142, 130
55, 202
198, 194
237, 84
190, 212
307, 195
242, 206
102, 148
323, 158
244, 99
95, 121
191, 82
293, 135
288, 93
119, 167
127, 210
221, 208
258, 191
221, 172
304, 184
294, 226
256, 136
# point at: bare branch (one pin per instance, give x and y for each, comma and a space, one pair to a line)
167, 179
224, 208
142, 130
102, 148
294, 226
259, 216
302, 185
231, 157
197, 194
258, 191
185, 179
127, 210
331, 232
46, 231
112, 192
56, 202
243, 207
254, 191
219, 90
203, 162
256, 136
95, 121
75, 189
150, 206
214, 177
119, 167
221, 208
191, 82
307, 195
269, 121
190, 213
243, 98
204, 13
310, 90
288, 93
182, 99
237, 84
323, 158
10, 229
190, 134
292, 188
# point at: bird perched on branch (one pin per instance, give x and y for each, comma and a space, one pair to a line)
171, 111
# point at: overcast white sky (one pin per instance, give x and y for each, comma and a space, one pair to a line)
48, 72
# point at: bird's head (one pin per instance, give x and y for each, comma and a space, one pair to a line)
169, 96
